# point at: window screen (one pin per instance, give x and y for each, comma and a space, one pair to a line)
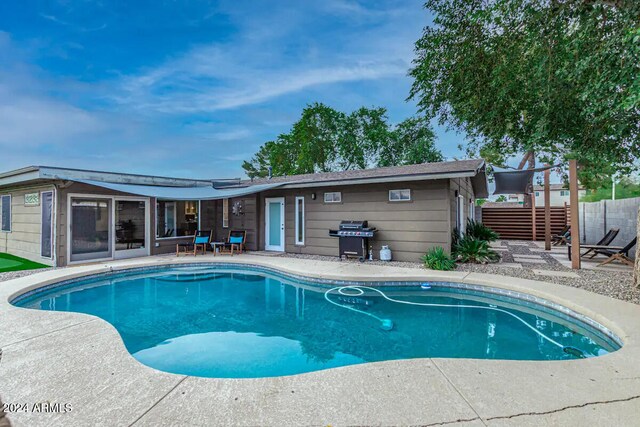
5, 217
46, 240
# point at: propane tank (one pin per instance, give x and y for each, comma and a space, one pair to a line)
385, 253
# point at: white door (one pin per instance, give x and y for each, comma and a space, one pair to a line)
274, 224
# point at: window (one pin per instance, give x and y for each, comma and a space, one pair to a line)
537, 194
225, 213
46, 237
399, 195
564, 193
5, 217
176, 218
300, 220
335, 197
460, 214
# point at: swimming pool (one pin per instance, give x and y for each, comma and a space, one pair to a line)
233, 321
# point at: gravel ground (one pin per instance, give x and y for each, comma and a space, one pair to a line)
15, 274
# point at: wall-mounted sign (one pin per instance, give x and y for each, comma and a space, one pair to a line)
32, 199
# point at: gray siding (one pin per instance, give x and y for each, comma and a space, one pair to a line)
24, 240
409, 228
247, 221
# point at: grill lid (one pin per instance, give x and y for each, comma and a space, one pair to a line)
353, 225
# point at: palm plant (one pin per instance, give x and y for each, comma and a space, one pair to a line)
479, 231
475, 251
437, 259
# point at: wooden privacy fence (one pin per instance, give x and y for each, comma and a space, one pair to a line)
517, 224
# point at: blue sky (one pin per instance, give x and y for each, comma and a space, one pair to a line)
191, 88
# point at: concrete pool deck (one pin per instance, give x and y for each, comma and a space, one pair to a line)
76, 359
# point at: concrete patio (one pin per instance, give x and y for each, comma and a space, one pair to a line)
78, 359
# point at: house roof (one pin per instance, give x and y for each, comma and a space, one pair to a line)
40, 173
474, 169
457, 166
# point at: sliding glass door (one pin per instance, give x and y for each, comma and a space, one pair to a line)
130, 222
107, 228
90, 229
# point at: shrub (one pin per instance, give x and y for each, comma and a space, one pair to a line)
479, 231
437, 259
475, 251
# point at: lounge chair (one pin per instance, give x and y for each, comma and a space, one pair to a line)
235, 242
604, 242
201, 240
563, 237
616, 253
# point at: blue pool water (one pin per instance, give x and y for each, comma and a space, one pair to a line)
247, 322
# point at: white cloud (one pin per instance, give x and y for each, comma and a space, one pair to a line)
264, 61
28, 122
195, 86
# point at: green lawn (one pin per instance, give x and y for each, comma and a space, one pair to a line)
14, 263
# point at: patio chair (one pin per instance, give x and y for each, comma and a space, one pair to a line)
604, 242
616, 253
201, 240
563, 237
235, 242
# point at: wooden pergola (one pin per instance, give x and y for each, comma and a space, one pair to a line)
530, 201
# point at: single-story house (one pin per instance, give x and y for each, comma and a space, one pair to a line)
60, 216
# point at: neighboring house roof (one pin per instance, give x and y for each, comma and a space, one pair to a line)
166, 186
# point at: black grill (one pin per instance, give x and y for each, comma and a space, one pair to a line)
354, 238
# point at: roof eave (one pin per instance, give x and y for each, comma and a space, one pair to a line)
30, 173
380, 180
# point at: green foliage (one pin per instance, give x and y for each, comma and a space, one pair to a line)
327, 140
559, 78
480, 202
479, 231
470, 250
410, 142
625, 188
437, 259
501, 198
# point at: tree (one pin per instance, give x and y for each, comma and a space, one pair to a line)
501, 198
626, 188
326, 140
556, 77
412, 141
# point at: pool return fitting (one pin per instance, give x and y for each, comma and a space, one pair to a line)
387, 324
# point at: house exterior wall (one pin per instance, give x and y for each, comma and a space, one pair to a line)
409, 228
24, 239
558, 197
463, 187
247, 220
